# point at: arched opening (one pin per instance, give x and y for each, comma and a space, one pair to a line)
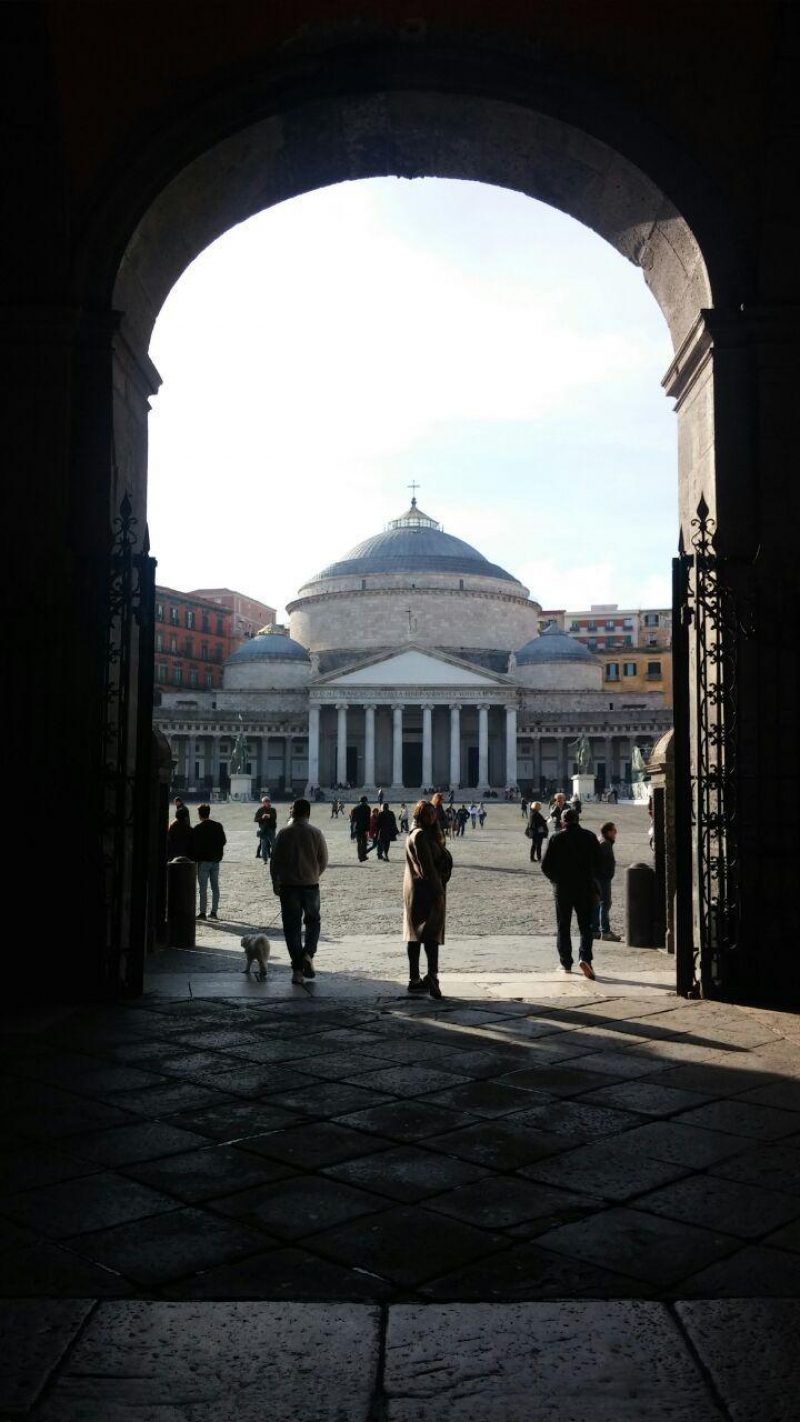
439, 134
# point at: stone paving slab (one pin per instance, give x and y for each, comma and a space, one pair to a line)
749, 1347
210, 1361
35, 1336
548, 1362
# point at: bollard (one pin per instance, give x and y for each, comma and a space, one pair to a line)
181, 902
640, 883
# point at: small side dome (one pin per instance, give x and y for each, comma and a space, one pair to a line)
553, 646
271, 644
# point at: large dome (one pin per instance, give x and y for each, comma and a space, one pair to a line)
413, 543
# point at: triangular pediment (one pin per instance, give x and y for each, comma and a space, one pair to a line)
414, 666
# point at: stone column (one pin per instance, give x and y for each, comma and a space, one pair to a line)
263, 763
341, 744
215, 759
566, 767
369, 746
397, 745
608, 749
483, 747
287, 759
536, 767
455, 746
427, 745
313, 743
191, 756
511, 745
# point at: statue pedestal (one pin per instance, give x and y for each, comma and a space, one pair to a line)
640, 791
241, 787
583, 786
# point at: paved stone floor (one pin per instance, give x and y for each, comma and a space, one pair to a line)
573, 1199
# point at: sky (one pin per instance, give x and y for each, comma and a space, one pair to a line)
320, 357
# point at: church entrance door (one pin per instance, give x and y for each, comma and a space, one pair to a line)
351, 775
472, 765
412, 763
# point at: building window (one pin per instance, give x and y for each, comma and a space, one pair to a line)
189, 617
628, 623
173, 646
363, 584
592, 644
627, 641
612, 671
591, 626
653, 671
209, 680
610, 625
574, 626
159, 612
161, 672
177, 676
600, 644
651, 619
220, 627
629, 669
173, 616
217, 654
159, 641
188, 644
205, 622
193, 676
204, 651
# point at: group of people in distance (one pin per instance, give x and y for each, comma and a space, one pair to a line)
579, 864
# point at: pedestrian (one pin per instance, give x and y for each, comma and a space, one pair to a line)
451, 797
558, 805
403, 814
179, 834
575, 804
473, 814
571, 863
462, 815
387, 831
441, 814
428, 868
208, 847
601, 923
536, 830
380, 797
373, 829
266, 818
359, 827
299, 859
523, 807
481, 814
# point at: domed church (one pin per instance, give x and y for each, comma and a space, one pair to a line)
409, 662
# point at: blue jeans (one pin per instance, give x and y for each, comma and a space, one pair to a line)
600, 919
266, 841
208, 870
300, 904
568, 900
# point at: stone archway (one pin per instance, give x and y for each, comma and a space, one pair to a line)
319, 139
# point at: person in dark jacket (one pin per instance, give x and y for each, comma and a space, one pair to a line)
359, 826
266, 818
536, 831
601, 924
428, 869
387, 831
179, 835
208, 847
572, 862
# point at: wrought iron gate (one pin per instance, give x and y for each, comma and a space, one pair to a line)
127, 752
708, 598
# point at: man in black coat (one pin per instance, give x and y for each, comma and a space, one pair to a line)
208, 847
359, 821
387, 831
572, 862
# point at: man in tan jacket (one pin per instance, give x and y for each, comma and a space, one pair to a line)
299, 857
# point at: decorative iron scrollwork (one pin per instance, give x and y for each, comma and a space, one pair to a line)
127, 713
709, 597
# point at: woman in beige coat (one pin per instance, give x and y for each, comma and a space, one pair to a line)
428, 868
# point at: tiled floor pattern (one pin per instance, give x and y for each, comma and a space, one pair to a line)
406, 1154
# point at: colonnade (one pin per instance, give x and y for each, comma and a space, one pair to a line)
368, 709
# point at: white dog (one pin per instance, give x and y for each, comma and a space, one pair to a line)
256, 946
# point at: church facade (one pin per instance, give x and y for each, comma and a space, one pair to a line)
412, 661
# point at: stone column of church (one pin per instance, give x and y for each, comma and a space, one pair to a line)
609, 751
341, 744
483, 747
191, 755
511, 745
397, 745
566, 765
313, 743
427, 745
369, 746
215, 760
455, 746
287, 760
